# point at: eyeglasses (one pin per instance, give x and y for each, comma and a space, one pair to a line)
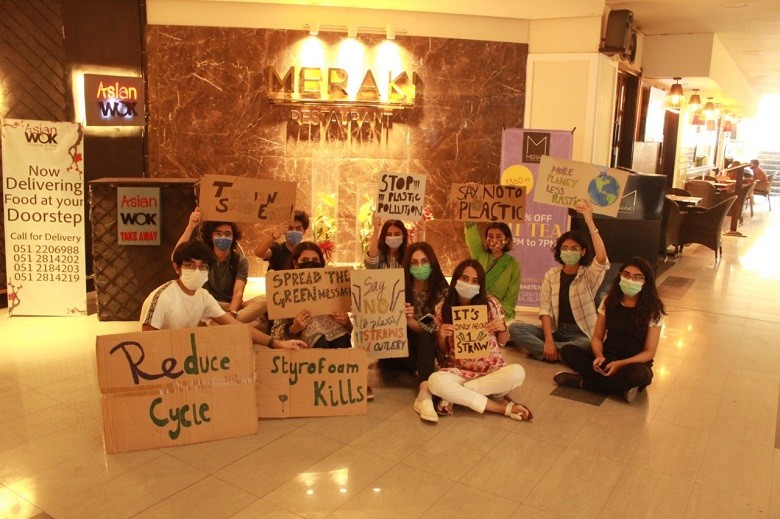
633, 277
222, 234
191, 266
574, 248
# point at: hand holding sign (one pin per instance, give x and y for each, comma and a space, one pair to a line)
470, 328
241, 199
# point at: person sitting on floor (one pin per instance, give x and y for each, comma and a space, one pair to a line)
625, 339
184, 303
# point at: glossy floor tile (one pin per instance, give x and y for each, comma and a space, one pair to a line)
701, 442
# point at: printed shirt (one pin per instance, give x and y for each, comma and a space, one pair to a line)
381, 261
474, 368
168, 307
320, 325
582, 295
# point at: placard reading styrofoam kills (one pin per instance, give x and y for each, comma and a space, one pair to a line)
487, 203
176, 387
401, 196
565, 182
378, 298
318, 290
314, 382
241, 199
471, 338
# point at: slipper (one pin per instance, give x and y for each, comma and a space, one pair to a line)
517, 416
444, 408
426, 411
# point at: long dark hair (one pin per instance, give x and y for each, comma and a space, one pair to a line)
209, 228
298, 250
649, 306
437, 283
384, 250
582, 241
453, 299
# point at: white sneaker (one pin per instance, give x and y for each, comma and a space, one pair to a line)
425, 409
630, 394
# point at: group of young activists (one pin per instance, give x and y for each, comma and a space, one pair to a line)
609, 348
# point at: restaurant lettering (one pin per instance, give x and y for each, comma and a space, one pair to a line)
113, 100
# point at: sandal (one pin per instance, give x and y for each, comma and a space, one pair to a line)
444, 408
517, 416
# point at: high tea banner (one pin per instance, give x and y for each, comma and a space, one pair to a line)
43, 206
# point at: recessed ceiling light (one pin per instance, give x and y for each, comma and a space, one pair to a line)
755, 52
734, 5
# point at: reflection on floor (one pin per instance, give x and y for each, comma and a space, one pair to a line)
700, 442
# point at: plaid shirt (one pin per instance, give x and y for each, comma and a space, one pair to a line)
582, 295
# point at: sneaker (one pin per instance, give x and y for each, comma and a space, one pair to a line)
569, 379
630, 394
425, 409
369, 393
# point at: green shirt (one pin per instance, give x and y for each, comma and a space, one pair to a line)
502, 274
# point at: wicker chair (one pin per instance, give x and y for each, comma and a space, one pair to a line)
703, 189
705, 227
709, 178
676, 191
671, 224
763, 189
743, 201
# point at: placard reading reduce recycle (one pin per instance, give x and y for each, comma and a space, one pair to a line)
175, 387
471, 338
487, 203
315, 382
288, 292
401, 196
43, 205
240, 199
565, 182
378, 302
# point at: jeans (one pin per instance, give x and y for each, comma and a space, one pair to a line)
532, 337
422, 355
474, 393
637, 374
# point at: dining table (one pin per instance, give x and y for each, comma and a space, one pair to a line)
684, 201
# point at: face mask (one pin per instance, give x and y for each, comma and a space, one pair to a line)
394, 241
421, 272
222, 243
193, 279
570, 257
293, 237
311, 264
466, 290
496, 245
630, 287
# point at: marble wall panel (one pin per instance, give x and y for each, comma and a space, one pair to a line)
209, 113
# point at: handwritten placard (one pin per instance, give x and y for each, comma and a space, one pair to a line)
378, 298
401, 196
318, 290
314, 382
487, 203
240, 199
565, 182
471, 338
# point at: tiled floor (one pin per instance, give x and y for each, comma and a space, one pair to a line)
701, 442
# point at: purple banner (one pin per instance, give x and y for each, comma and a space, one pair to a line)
521, 151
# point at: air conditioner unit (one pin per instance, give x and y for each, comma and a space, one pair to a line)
620, 37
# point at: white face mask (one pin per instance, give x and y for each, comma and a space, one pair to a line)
394, 241
466, 290
193, 279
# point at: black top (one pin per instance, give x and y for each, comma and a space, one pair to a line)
624, 338
565, 316
280, 254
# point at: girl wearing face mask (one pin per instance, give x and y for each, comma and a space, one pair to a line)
387, 246
502, 270
227, 278
481, 384
318, 331
425, 287
625, 339
567, 310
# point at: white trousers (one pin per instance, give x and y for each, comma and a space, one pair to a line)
474, 393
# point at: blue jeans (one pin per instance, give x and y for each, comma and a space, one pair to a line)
531, 337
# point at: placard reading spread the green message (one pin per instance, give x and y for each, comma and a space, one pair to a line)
472, 341
319, 290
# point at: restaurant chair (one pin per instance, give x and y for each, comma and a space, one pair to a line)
764, 189
676, 191
705, 227
704, 190
709, 178
743, 201
671, 224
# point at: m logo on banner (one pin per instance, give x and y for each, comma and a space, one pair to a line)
535, 145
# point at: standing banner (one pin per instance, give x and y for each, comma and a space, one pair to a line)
289, 292
226, 198
472, 341
521, 152
43, 199
401, 196
378, 302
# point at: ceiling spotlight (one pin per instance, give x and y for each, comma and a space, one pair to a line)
314, 28
390, 31
352, 30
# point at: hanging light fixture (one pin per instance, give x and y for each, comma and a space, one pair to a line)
710, 112
676, 94
694, 103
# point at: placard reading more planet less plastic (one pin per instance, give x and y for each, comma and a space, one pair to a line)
566, 182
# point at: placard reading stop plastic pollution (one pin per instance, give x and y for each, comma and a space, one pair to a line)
401, 196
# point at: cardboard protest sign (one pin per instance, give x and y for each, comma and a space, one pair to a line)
240, 199
487, 203
378, 298
319, 290
401, 196
175, 387
471, 338
565, 182
315, 382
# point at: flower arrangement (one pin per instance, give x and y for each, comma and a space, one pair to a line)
365, 218
417, 229
324, 225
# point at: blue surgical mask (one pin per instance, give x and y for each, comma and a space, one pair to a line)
466, 290
630, 287
293, 237
570, 257
420, 272
394, 241
222, 243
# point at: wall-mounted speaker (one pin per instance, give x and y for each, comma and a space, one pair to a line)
620, 37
